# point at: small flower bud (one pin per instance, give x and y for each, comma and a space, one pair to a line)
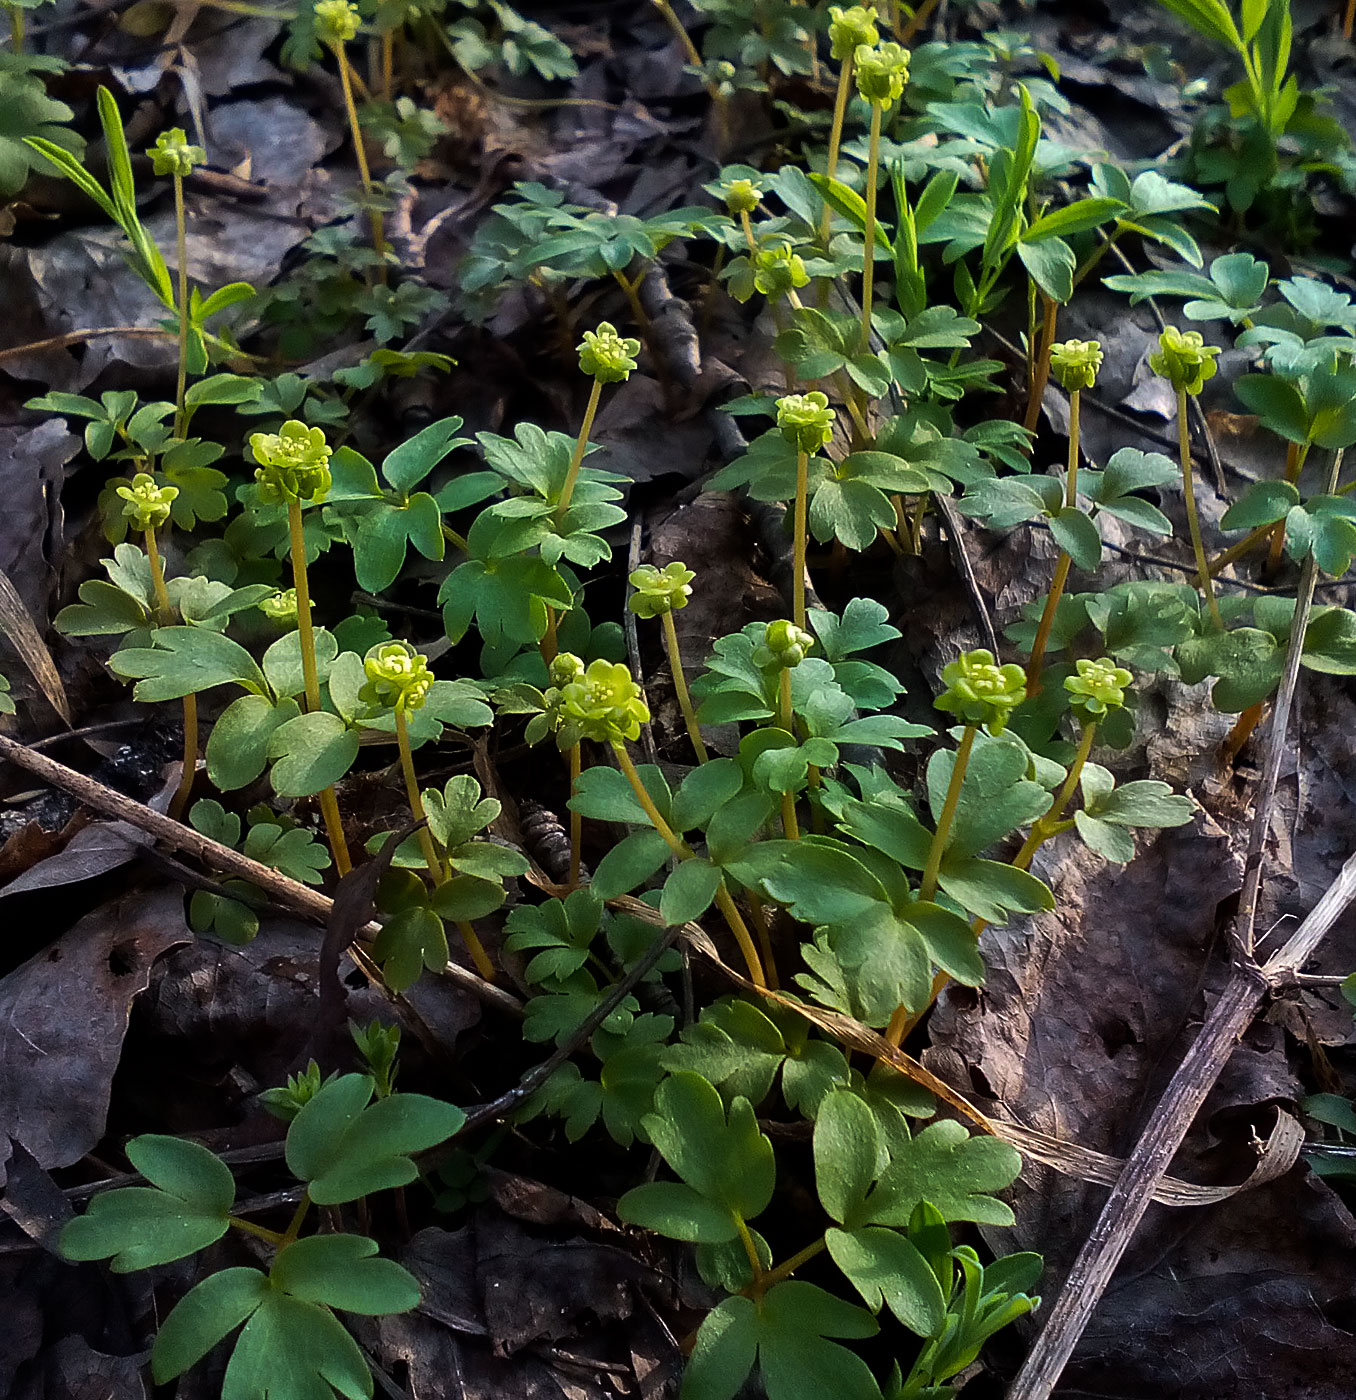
398, 677
660, 590
806, 420
606, 356
1075, 363
172, 155
336, 21
980, 692
1097, 689
778, 270
882, 73
1184, 359
147, 505
784, 646
293, 463
565, 667
280, 607
850, 29
741, 196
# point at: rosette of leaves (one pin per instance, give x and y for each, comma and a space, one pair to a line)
291, 850
849, 500
382, 518
341, 1146
413, 934
1003, 503
517, 546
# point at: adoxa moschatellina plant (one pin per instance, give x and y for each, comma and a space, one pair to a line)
806, 422
849, 30
660, 593
1186, 362
294, 471
147, 509
398, 679
1074, 364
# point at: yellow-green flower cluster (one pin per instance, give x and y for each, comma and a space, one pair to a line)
398, 677
805, 420
981, 692
784, 646
294, 463
660, 590
1184, 359
778, 270
147, 505
741, 196
336, 21
280, 607
881, 73
606, 356
1075, 363
599, 701
172, 155
1097, 689
850, 29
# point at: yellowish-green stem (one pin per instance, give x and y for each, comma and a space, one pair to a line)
360, 154
181, 247
1041, 375
165, 615
387, 64
798, 1260
329, 804
427, 845
580, 447
869, 237
260, 1232
1203, 579
294, 1225
683, 851
1061, 576
840, 103
917, 20
694, 732
1294, 464
576, 820
800, 527
928, 889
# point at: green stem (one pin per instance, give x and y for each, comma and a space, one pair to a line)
751, 1249
840, 103
1294, 464
1046, 827
329, 804
1061, 577
165, 615
360, 153
800, 527
869, 238
683, 851
580, 447
928, 888
412, 794
796, 1261
1042, 375
694, 732
248, 1227
181, 244
1203, 579
16, 28
787, 719
576, 762
294, 1225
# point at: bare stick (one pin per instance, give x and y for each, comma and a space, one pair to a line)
1203, 1062
290, 893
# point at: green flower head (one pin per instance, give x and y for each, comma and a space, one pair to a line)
784, 646
336, 21
606, 356
601, 703
1075, 363
778, 270
398, 677
660, 590
741, 196
881, 73
147, 505
850, 29
172, 155
294, 463
806, 420
1097, 689
565, 667
280, 607
979, 691
1184, 359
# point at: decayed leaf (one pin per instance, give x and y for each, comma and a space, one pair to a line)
63, 1015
